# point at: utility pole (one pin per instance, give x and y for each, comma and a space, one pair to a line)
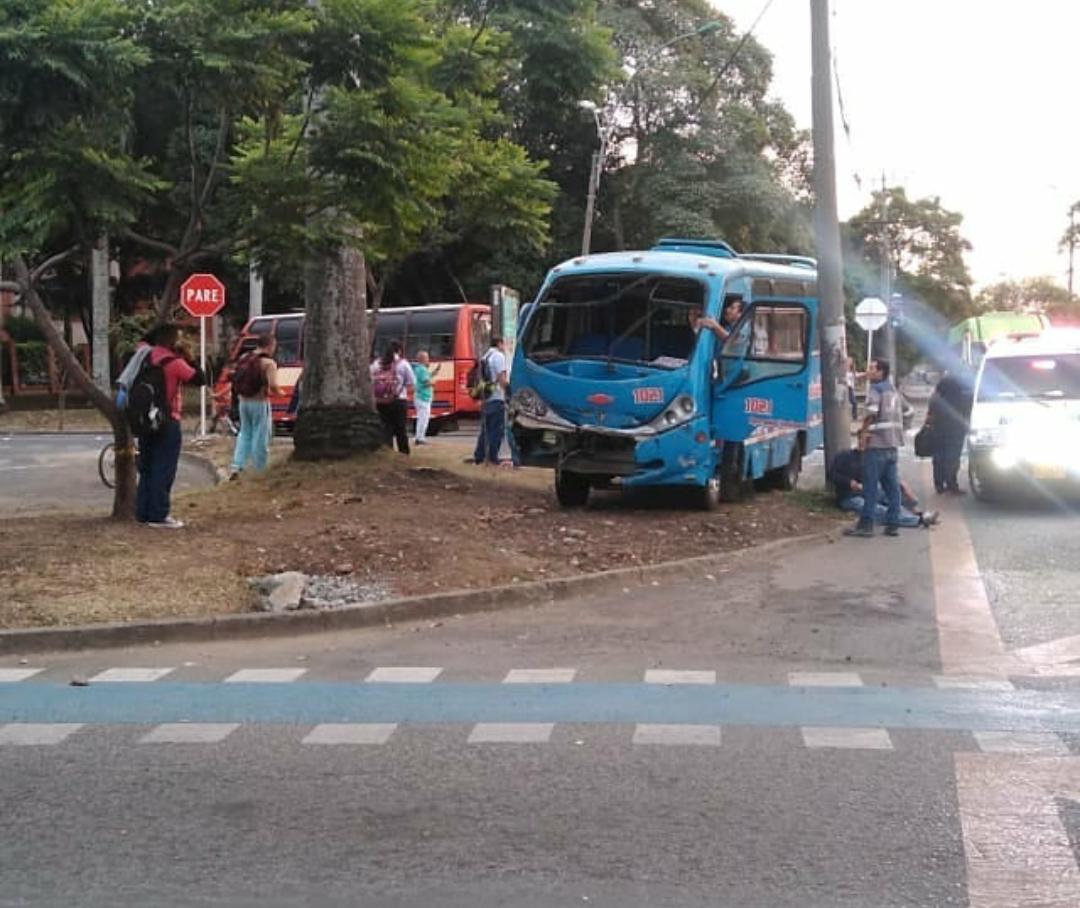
1072, 244
886, 283
832, 327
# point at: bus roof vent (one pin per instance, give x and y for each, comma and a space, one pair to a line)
795, 261
715, 248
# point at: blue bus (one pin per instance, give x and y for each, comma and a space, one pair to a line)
614, 384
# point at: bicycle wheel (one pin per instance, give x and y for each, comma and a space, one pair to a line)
106, 465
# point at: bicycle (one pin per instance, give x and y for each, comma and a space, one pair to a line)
106, 463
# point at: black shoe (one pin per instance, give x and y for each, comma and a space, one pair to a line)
892, 531
862, 530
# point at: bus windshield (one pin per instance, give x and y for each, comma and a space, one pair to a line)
1031, 377
636, 318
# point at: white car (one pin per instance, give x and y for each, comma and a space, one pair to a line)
1025, 420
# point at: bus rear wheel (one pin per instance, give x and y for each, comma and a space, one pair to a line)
571, 489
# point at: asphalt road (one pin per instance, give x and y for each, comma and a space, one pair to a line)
855, 724
40, 473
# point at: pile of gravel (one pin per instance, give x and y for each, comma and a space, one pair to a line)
292, 590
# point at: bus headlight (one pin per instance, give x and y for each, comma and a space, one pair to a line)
681, 410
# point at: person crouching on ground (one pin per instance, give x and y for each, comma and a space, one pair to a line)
425, 393
159, 453
254, 380
846, 479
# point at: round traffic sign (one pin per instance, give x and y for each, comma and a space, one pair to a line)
871, 314
203, 295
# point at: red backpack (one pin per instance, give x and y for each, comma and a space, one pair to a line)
249, 378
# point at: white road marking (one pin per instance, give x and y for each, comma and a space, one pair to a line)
130, 675
824, 679
1018, 851
350, 733
511, 733
265, 675
678, 735
847, 738
669, 676
970, 682
32, 733
404, 675
1015, 742
190, 733
540, 676
12, 675
968, 635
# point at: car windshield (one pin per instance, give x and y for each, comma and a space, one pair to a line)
1032, 377
638, 318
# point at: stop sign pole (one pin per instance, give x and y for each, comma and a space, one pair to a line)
203, 296
870, 315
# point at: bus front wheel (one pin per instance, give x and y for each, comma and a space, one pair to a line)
571, 489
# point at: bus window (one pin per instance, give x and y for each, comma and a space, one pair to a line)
288, 335
432, 331
772, 338
481, 332
389, 326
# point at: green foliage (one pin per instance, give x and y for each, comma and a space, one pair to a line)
126, 331
22, 328
33, 358
1037, 294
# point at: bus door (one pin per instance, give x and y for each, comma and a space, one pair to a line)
764, 379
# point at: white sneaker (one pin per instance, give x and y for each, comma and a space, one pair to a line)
169, 523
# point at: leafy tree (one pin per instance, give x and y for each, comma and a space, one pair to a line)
1037, 294
66, 76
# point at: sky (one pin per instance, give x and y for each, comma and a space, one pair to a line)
967, 100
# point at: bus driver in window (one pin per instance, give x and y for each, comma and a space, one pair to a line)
729, 315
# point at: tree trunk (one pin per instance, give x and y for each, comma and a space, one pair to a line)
124, 493
336, 418
99, 327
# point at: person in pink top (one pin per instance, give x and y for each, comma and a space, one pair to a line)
159, 453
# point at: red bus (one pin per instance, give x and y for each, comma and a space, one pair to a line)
453, 334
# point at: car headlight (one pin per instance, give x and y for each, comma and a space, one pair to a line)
985, 438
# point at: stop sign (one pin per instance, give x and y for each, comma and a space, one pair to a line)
203, 295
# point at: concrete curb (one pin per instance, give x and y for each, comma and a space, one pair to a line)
206, 465
416, 608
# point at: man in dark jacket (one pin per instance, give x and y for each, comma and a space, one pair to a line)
947, 415
846, 479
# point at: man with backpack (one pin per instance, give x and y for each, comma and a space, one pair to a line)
494, 378
154, 408
253, 380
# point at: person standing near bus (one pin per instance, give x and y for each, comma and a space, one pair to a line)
254, 380
496, 378
425, 393
391, 379
947, 414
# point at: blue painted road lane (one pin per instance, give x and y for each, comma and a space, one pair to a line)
317, 702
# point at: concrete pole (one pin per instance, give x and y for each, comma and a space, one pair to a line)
255, 291
886, 285
100, 312
832, 333
1072, 246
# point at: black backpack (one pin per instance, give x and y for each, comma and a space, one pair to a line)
477, 382
147, 409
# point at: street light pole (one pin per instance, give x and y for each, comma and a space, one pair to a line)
605, 126
832, 334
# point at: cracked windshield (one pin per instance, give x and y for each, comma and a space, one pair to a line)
497, 453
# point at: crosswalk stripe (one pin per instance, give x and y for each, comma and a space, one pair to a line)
669, 676
350, 733
540, 676
824, 679
1013, 742
130, 675
13, 675
189, 733
404, 674
679, 735
30, 733
511, 733
265, 675
847, 738
971, 682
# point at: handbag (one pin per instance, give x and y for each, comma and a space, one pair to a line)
924, 441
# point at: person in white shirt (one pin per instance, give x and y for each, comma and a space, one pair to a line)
496, 378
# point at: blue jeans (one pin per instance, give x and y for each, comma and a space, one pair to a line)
159, 455
855, 504
879, 466
253, 442
492, 430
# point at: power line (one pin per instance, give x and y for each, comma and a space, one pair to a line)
734, 54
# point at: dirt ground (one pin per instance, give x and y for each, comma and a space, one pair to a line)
417, 525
